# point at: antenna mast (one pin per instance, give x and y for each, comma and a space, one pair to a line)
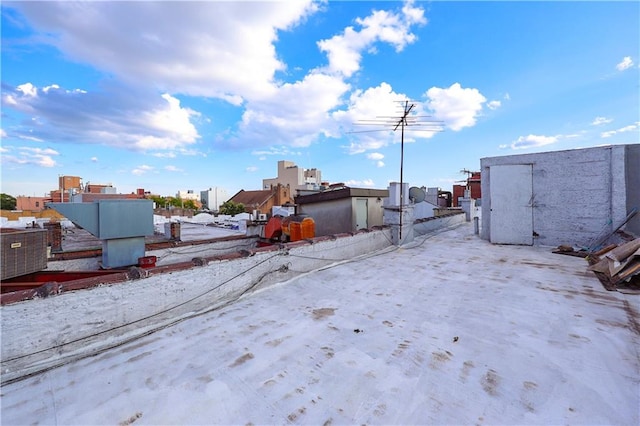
403, 120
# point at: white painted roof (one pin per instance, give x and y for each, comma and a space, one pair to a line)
453, 330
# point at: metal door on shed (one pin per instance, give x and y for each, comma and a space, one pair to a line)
362, 213
511, 192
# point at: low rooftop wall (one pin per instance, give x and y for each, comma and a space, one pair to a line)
43, 333
424, 226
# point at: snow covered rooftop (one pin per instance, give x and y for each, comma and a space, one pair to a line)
448, 330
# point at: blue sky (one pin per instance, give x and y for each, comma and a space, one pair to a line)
171, 96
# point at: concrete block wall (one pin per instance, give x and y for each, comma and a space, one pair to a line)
632, 172
577, 194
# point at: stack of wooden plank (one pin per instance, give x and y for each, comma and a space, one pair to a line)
618, 266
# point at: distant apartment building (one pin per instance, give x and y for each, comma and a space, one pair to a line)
67, 186
100, 188
295, 177
188, 195
213, 198
65, 183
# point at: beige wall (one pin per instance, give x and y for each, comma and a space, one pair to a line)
15, 215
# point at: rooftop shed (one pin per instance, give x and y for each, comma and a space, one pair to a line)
344, 209
563, 197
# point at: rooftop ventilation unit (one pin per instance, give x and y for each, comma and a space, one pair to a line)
120, 224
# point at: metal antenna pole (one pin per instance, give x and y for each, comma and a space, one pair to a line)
388, 123
401, 123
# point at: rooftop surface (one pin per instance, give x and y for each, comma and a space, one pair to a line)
448, 330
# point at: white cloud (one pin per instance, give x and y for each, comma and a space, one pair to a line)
42, 157
345, 50
601, 120
172, 122
252, 169
3, 133
277, 120
94, 159
494, 104
533, 141
30, 138
28, 89
630, 128
457, 107
54, 87
40, 151
45, 161
376, 157
9, 100
366, 183
214, 49
118, 117
173, 169
368, 118
140, 170
225, 50
626, 63
507, 97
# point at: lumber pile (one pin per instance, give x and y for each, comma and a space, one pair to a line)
618, 266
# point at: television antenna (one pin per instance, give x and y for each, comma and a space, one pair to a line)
418, 123
469, 173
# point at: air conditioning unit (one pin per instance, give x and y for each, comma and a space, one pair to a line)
23, 252
262, 217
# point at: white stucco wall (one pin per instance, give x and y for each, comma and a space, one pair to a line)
423, 210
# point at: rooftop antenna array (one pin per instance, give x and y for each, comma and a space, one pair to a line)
468, 173
402, 120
